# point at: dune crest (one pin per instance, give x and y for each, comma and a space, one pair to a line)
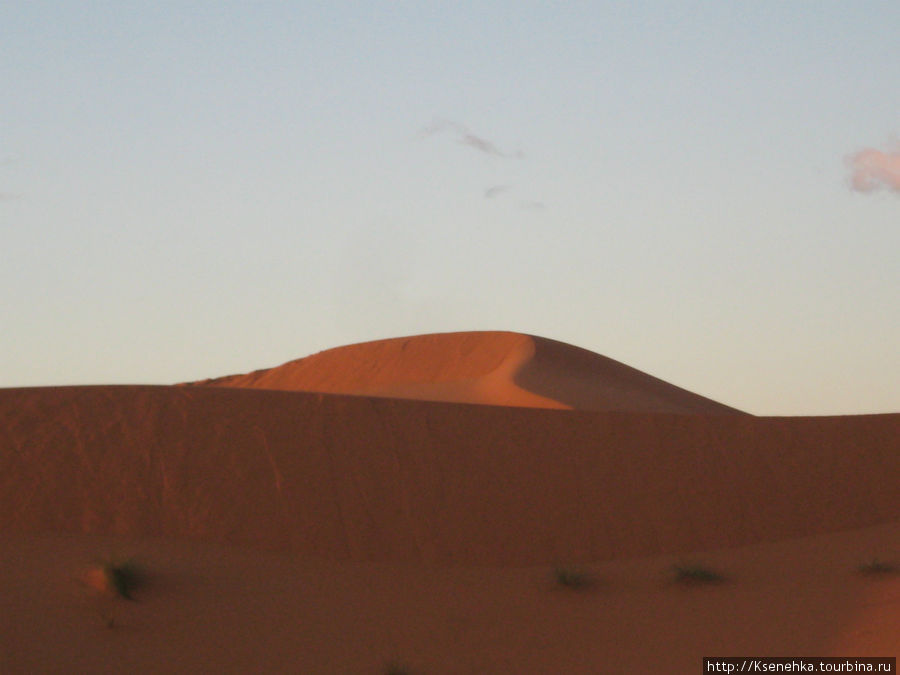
483, 367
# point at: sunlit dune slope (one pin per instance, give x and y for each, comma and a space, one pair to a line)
360, 478
499, 368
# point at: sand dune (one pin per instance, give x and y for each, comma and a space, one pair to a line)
296, 531
349, 477
498, 368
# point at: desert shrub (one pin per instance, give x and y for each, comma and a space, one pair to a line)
569, 577
123, 578
394, 668
695, 574
876, 567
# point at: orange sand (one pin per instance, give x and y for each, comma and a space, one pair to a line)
498, 368
289, 531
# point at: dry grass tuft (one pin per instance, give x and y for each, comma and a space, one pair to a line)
694, 574
876, 567
572, 578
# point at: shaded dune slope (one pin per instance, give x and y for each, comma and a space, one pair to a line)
365, 478
498, 368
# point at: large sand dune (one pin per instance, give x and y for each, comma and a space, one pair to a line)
295, 531
350, 477
489, 367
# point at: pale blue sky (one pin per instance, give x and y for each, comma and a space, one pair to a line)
195, 189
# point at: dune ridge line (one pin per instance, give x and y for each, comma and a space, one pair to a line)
485, 367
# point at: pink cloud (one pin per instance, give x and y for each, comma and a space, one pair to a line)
873, 169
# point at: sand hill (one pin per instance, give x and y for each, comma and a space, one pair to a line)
301, 531
367, 479
491, 367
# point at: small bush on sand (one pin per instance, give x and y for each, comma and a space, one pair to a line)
569, 577
691, 574
876, 567
394, 668
122, 578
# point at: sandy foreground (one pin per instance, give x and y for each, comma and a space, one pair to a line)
309, 531
209, 608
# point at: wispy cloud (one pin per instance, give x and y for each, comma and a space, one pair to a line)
465, 137
479, 143
495, 191
873, 169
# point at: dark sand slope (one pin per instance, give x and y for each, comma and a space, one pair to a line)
357, 478
490, 367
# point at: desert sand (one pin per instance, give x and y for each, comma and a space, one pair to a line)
455, 503
487, 367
